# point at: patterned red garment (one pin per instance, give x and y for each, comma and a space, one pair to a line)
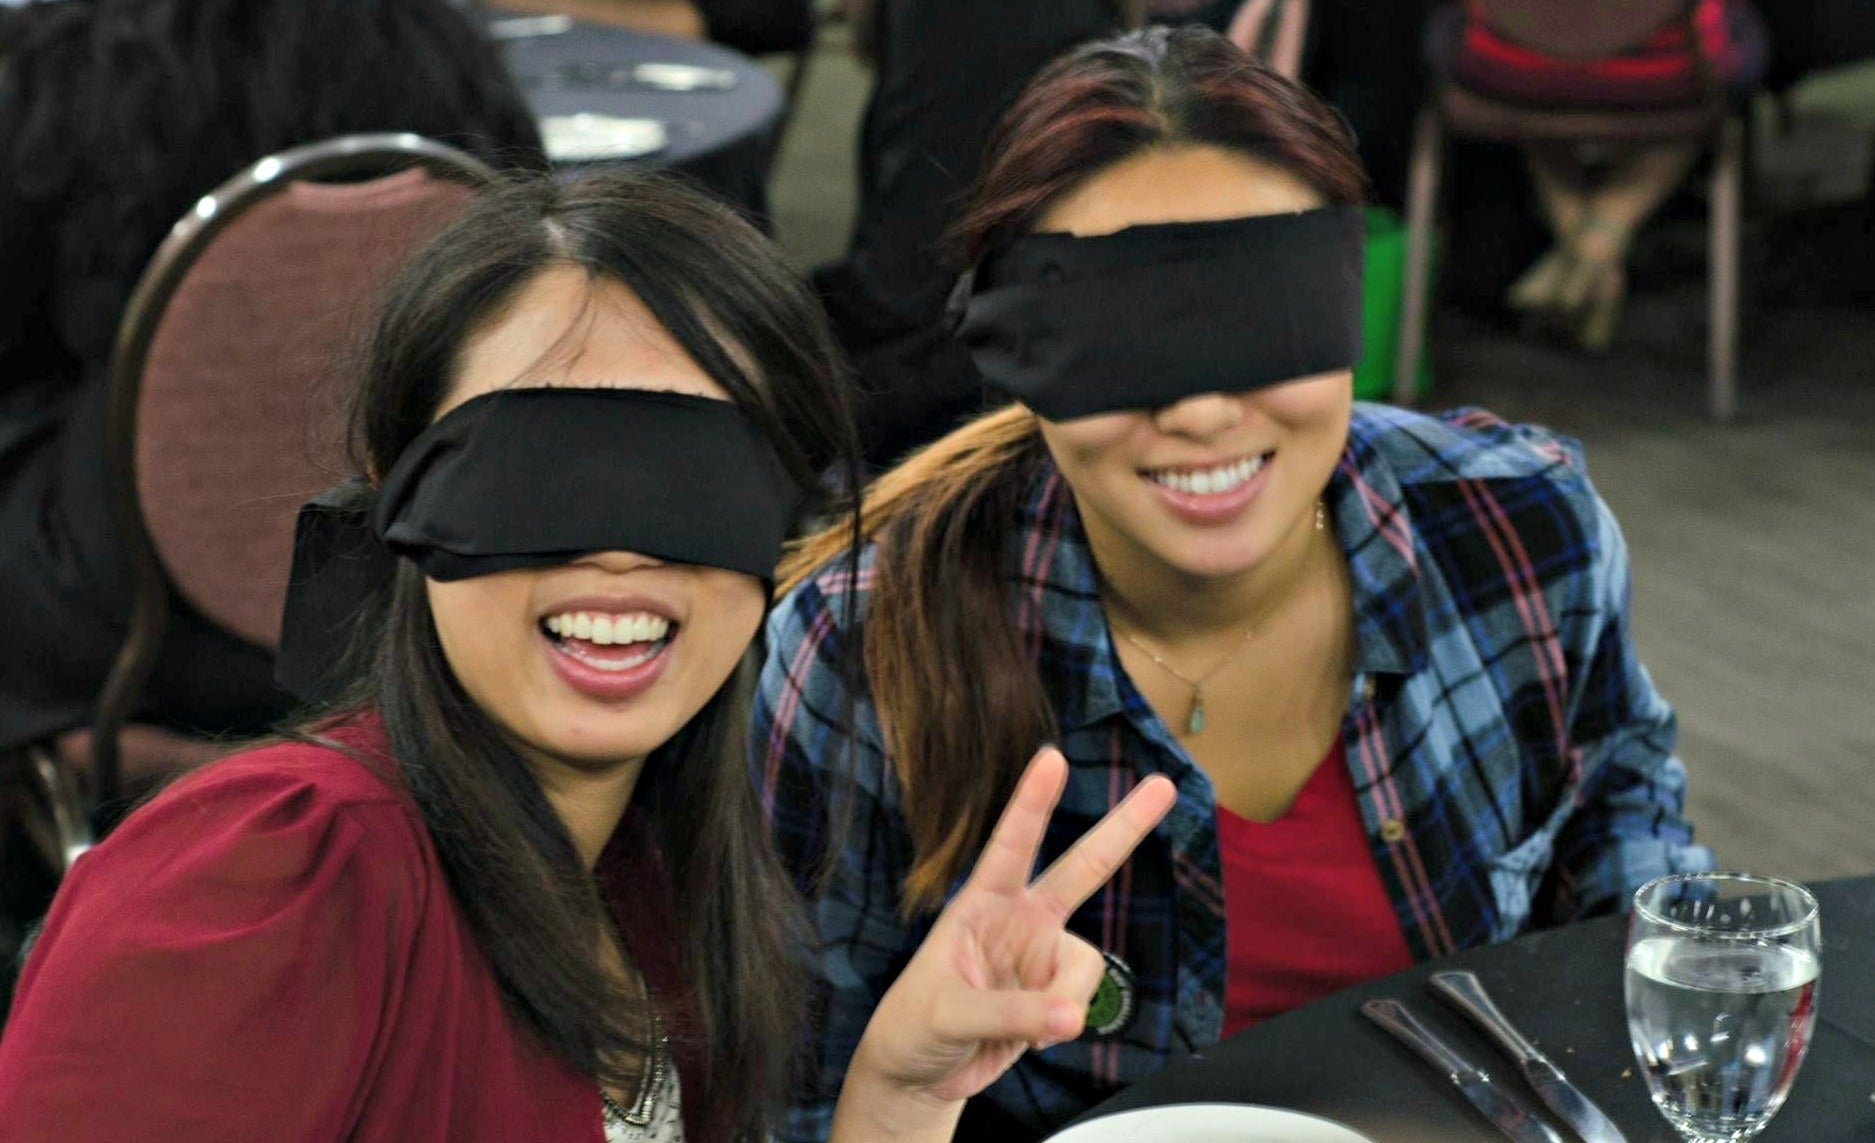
1662, 72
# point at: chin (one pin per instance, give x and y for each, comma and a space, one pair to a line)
597, 743
1211, 556
600, 752
1211, 565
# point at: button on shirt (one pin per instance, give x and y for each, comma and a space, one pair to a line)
1512, 763
1306, 912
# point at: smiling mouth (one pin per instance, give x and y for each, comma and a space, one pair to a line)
1211, 481
609, 641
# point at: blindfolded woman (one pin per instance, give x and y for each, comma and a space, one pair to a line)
1384, 657
516, 885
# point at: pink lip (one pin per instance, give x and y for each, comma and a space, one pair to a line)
1212, 507
612, 604
609, 686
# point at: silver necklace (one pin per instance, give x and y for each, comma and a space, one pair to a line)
650, 1084
1194, 716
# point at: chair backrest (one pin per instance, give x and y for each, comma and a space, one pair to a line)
226, 376
1581, 29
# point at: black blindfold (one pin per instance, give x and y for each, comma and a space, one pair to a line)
1150, 315
534, 478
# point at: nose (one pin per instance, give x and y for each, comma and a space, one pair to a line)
1201, 417
617, 563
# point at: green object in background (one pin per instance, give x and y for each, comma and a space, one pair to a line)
1380, 309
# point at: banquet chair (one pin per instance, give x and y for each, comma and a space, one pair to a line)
1582, 29
223, 418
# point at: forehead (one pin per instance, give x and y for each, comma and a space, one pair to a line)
1177, 184
565, 328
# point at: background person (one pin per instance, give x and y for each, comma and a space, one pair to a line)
115, 116
943, 73
753, 26
1594, 200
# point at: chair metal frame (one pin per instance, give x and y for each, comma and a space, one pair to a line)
1285, 23
344, 157
1726, 130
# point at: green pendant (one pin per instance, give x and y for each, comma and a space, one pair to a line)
1194, 722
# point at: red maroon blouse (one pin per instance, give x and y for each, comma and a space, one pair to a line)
269, 950
1305, 912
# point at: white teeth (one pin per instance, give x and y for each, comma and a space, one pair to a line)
606, 629
1206, 482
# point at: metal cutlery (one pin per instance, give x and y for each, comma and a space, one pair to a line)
1508, 1114
581, 75
683, 77
528, 27
1463, 991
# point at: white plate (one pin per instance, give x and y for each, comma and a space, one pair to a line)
1209, 1123
585, 137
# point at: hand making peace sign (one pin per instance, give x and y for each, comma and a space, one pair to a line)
999, 971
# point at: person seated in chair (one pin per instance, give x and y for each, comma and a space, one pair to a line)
115, 116
1385, 656
1595, 199
512, 883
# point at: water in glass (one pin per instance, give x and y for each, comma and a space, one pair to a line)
1721, 1001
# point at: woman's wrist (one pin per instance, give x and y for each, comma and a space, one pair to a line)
875, 1106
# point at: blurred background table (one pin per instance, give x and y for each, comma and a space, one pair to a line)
723, 138
1562, 988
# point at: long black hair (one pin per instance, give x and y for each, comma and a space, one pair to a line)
725, 295
115, 115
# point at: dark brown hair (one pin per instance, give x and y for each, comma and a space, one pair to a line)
726, 296
958, 696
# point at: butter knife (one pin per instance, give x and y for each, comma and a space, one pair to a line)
1511, 1117
1463, 991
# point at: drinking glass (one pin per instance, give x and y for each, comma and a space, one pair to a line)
1721, 989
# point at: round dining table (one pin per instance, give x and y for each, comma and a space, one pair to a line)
721, 132
1563, 989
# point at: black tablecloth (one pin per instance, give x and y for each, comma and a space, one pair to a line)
1563, 989
724, 139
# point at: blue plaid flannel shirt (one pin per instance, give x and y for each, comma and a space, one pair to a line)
1513, 763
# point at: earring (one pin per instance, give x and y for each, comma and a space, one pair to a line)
1321, 516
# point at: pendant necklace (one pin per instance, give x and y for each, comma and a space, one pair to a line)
1194, 717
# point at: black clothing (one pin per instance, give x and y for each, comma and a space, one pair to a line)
945, 72
759, 26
